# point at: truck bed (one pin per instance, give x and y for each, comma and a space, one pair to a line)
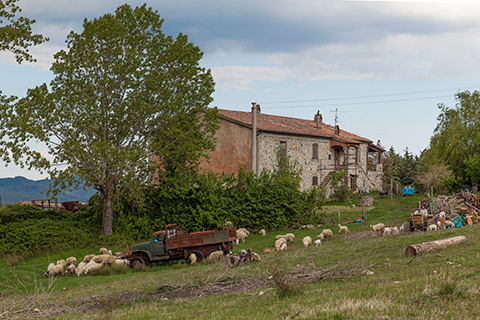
201, 238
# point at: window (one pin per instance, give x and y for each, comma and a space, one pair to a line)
283, 149
329, 156
314, 181
315, 151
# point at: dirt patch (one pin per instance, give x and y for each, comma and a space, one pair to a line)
361, 235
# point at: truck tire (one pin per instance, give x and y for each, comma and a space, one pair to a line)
199, 254
137, 262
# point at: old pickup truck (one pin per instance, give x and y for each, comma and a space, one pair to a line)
173, 244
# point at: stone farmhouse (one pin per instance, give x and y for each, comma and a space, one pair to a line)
254, 139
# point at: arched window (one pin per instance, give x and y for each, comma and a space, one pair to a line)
315, 151
314, 181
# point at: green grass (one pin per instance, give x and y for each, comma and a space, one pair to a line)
442, 284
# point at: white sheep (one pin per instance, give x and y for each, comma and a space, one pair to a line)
317, 242
395, 230
279, 243
241, 235
193, 258
121, 262
440, 226
71, 260
449, 224
327, 234
55, 270
262, 232
307, 241
244, 230
280, 236
92, 265
62, 262
432, 227
103, 251
216, 256
441, 215
402, 228
290, 237
283, 247
378, 227
320, 236
88, 257
70, 269
387, 231
80, 269
343, 228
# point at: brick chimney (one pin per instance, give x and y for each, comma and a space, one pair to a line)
318, 119
337, 130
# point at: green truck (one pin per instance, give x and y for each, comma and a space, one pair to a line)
173, 244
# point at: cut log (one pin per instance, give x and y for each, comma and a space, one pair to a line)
415, 249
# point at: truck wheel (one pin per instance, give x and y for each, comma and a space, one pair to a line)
199, 254
137, 262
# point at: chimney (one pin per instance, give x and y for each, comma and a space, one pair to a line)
258, 108
318, 119
337, 130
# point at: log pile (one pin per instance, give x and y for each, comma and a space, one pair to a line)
463, 203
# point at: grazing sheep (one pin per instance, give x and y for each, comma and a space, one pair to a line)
103, 251
402, 228
241, 235
91, 266
290, 238
320, 236
327, 234
87, 258
109, 252
317, 242
109, 259
307, 241
395, 230
120, 254
343, 228
80, 269
378, 227
216, 256
244, 230
71, 260
449, 224
54, 271
193, 258
121, 263
440, 226
279, 236
262, 232
432, 227
279, 243
100, 258
387, 231
62, 262
70, 269
283, 247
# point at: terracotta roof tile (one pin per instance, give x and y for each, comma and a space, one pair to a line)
272, 123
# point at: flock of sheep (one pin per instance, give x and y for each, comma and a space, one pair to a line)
89, 263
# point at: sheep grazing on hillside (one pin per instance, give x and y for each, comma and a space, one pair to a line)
262, 232
395, 230
91, 266
71, 260
343, 228
216, 256
88, 257
283, 247
402, 228
70, 270
449, 224
317, 242
307, 241
193, 258
80, 269
326, 233
103, 251
244, 230
378, 227
280, 236
279, 243
121, 263
387, 231
290, 238
54, 270
432, 227
62, 262
440, 225
241, 235
441, 215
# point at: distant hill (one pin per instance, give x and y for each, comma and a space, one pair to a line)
13, 190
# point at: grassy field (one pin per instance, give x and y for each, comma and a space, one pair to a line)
354, 276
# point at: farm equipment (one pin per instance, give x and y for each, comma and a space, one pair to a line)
418, 220
173, 244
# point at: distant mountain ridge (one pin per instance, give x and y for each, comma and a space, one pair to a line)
13, 190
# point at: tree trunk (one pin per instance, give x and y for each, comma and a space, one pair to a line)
107, 221
415, 249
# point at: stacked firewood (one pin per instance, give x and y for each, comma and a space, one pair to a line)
465, 203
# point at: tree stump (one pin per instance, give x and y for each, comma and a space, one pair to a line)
415, 249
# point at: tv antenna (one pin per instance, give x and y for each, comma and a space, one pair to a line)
336, 115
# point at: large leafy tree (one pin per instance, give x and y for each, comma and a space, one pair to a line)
125, 100
16, 32
455, 138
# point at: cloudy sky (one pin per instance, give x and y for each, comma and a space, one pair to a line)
381, 66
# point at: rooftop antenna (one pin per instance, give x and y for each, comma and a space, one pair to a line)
336, 115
